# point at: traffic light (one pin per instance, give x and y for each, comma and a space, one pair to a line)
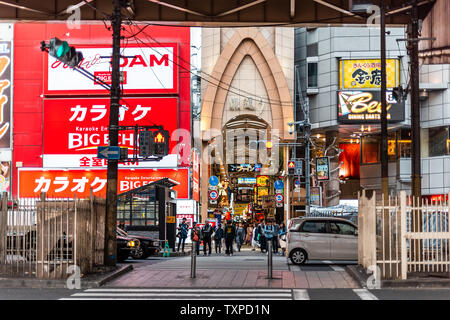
63, 52
291, 168
145, 143
160, 143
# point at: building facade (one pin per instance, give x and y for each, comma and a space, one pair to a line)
339, 72
247, 93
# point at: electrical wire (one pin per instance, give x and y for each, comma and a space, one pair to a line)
241, 93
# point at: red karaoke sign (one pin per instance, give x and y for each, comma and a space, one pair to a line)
75, 128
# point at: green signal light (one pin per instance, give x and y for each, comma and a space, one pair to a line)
63, 49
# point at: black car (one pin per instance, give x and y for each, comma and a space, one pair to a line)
125, 246
145, 247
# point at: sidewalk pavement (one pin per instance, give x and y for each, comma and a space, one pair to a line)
94, 280
414, 281
245, 269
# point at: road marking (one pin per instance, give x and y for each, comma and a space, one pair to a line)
365, 294
337, 268
181, 294
300, 294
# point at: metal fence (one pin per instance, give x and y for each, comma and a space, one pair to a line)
42, 237
404, 236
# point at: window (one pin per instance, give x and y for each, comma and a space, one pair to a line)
404, 143
370, 149
312, 74
312, 50
314, 227
342, 228
438, 141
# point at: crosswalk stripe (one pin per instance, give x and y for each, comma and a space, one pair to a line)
141, 290
365, 294
300, 294
198, 295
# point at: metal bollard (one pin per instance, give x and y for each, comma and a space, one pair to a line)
193, 258
269, 258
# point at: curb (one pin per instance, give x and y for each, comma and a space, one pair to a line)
360, 276
62, 283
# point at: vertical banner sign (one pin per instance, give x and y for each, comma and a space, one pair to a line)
323, 168
195, 176
5, 94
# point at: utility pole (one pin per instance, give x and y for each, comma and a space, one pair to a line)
111, 188
413, 51
384, 135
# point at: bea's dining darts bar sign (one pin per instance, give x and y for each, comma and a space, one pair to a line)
365, 107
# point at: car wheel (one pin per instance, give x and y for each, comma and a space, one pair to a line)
140, 252
298, 256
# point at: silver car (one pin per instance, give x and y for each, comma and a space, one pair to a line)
322, 239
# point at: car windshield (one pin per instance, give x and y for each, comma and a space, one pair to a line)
121, 232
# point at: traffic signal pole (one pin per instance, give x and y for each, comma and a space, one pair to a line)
111, 188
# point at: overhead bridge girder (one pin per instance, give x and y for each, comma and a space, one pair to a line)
216, 13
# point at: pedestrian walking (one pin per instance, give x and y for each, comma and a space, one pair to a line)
230, 234
240, 236
218, 236
282, 238
249, 235
183, 229
269, 233
262, 237
206, 236
196, 237
255, 237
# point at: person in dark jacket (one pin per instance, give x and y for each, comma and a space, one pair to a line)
240, 236
183, 230
196, 237
230, 234
206, 235
218, 236
262, 236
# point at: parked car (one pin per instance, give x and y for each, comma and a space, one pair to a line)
322, 239
147, 246
125, 246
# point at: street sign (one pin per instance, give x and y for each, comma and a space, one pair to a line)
279, 198
297, 183
170, 219
279, 185
214, 181
279, 204
213, 195
109, 152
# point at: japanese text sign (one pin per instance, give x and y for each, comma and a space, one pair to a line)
363, 74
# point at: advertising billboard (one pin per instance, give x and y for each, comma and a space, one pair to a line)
195, 176
75, 128
365, 107
147, 69
323, 168
366, 73
67, 183
5, 94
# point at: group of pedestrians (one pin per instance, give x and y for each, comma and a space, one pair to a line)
255, 235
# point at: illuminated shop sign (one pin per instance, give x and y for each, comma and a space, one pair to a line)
366, 73
244, 167
365, 107
246, 180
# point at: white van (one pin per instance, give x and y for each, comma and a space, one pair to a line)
324, 238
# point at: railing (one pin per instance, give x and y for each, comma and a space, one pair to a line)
404, 236
44, 237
